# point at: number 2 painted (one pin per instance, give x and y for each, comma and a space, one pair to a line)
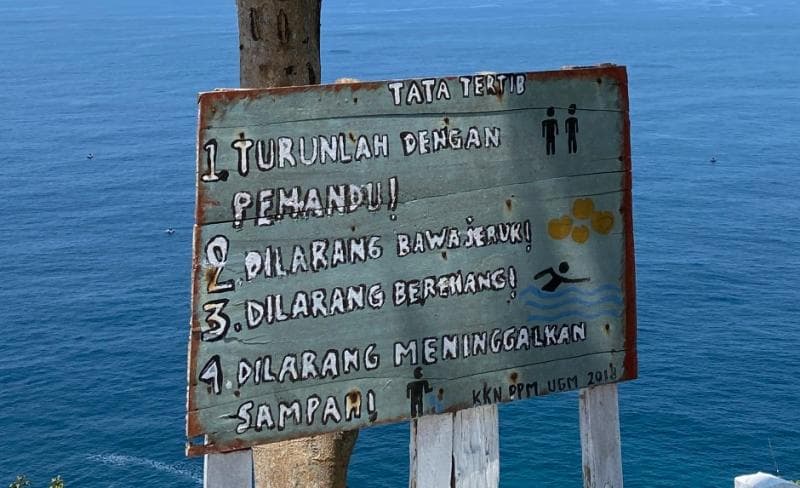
217, 256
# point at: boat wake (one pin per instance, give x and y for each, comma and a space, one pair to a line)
123, 460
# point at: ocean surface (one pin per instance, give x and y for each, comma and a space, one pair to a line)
95, 296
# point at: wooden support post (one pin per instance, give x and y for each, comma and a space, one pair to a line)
228, 470
476, 447
601, 453
458, 450
279, 46
430, 451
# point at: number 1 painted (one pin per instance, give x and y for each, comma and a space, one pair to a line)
211, 162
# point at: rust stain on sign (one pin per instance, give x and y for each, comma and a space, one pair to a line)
371, 252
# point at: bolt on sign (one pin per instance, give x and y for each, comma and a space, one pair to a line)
371, 252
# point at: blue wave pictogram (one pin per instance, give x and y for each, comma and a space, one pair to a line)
581, 315
586, 290
608, 301
579, 300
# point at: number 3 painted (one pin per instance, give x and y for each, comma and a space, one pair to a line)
217, 321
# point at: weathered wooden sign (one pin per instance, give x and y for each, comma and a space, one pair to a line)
371, 252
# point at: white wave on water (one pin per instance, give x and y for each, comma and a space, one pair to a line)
735, 9
123, 460
421, 8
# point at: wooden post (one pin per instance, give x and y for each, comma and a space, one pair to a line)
279, 46
228, 470
601, 453
459, 450
431, 451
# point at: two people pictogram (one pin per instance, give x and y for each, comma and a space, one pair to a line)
550, 130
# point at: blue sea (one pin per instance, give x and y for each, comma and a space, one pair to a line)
95, 296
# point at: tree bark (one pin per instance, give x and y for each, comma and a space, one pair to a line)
279, 42
319, 461
279, 46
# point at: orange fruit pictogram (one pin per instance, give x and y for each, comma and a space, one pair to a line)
559, 228
580, 234
602, 222
582, 208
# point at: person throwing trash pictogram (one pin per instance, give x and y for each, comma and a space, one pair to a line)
415, 391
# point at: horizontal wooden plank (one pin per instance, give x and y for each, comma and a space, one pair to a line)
520, 158
339, 295
596, 88
515, 383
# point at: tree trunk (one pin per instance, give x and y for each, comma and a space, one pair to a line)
279, 42
279, 46
319, 461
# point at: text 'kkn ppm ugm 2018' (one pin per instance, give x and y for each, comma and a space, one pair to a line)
371, 252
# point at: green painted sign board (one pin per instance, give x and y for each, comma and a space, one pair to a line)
371, 252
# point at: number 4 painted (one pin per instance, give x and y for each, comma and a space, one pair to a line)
211, 374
